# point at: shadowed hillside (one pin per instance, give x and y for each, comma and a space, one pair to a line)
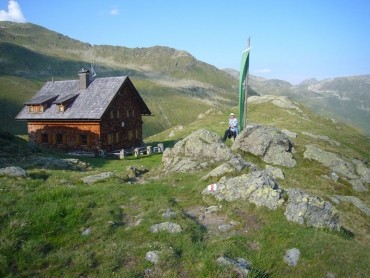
168, 79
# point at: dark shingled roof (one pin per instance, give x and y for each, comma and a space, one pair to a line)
41, 99
90, 104
61, 100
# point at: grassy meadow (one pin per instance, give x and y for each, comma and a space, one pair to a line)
43, 217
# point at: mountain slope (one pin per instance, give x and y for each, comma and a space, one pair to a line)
167, 79
55, 225
344, 98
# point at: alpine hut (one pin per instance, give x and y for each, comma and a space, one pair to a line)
86, 114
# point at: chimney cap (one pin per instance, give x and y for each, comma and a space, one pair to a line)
83, 70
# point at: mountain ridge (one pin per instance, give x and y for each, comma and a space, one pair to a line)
55, 225
33, 52
164, 76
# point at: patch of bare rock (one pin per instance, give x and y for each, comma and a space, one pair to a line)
204, 149
355, 171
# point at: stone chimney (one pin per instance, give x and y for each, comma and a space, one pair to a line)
84, 78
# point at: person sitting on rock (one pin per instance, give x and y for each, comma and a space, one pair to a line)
233, 130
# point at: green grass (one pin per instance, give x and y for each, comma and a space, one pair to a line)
43, 216
42, 221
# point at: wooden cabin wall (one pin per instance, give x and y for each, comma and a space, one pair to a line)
66, 136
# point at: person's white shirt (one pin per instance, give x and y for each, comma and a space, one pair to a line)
233, 124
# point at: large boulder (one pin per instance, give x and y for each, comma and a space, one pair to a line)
199, 150
258, 187
231, 167
270, 144
13, 171
311, 210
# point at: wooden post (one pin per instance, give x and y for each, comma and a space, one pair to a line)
160, 148
122, 154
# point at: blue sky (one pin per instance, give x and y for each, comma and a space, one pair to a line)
291, 39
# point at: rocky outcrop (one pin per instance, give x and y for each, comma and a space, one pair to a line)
98, 177
203, 149
291, 256
362, 170
356, 173
354, 200
60, 164
152, 256
269, 143
166, 227
13, 171
280, 101
195, 152
321, 137
275, 172
233, 166
311, 210
258, 187
240, 265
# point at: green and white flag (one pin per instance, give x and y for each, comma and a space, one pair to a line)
243, 87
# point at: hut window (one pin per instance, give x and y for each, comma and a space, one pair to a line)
110, 138
114, 114
130, 135
59, 139
61, 108
130, 113
83, 139
44, 138
35, 109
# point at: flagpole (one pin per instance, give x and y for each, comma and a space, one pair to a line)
245, 100
243, 82
246, 87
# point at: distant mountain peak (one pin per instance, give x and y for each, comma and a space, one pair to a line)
308, 81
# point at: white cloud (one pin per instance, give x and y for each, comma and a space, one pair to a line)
263, 71
114, 11
14, 14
